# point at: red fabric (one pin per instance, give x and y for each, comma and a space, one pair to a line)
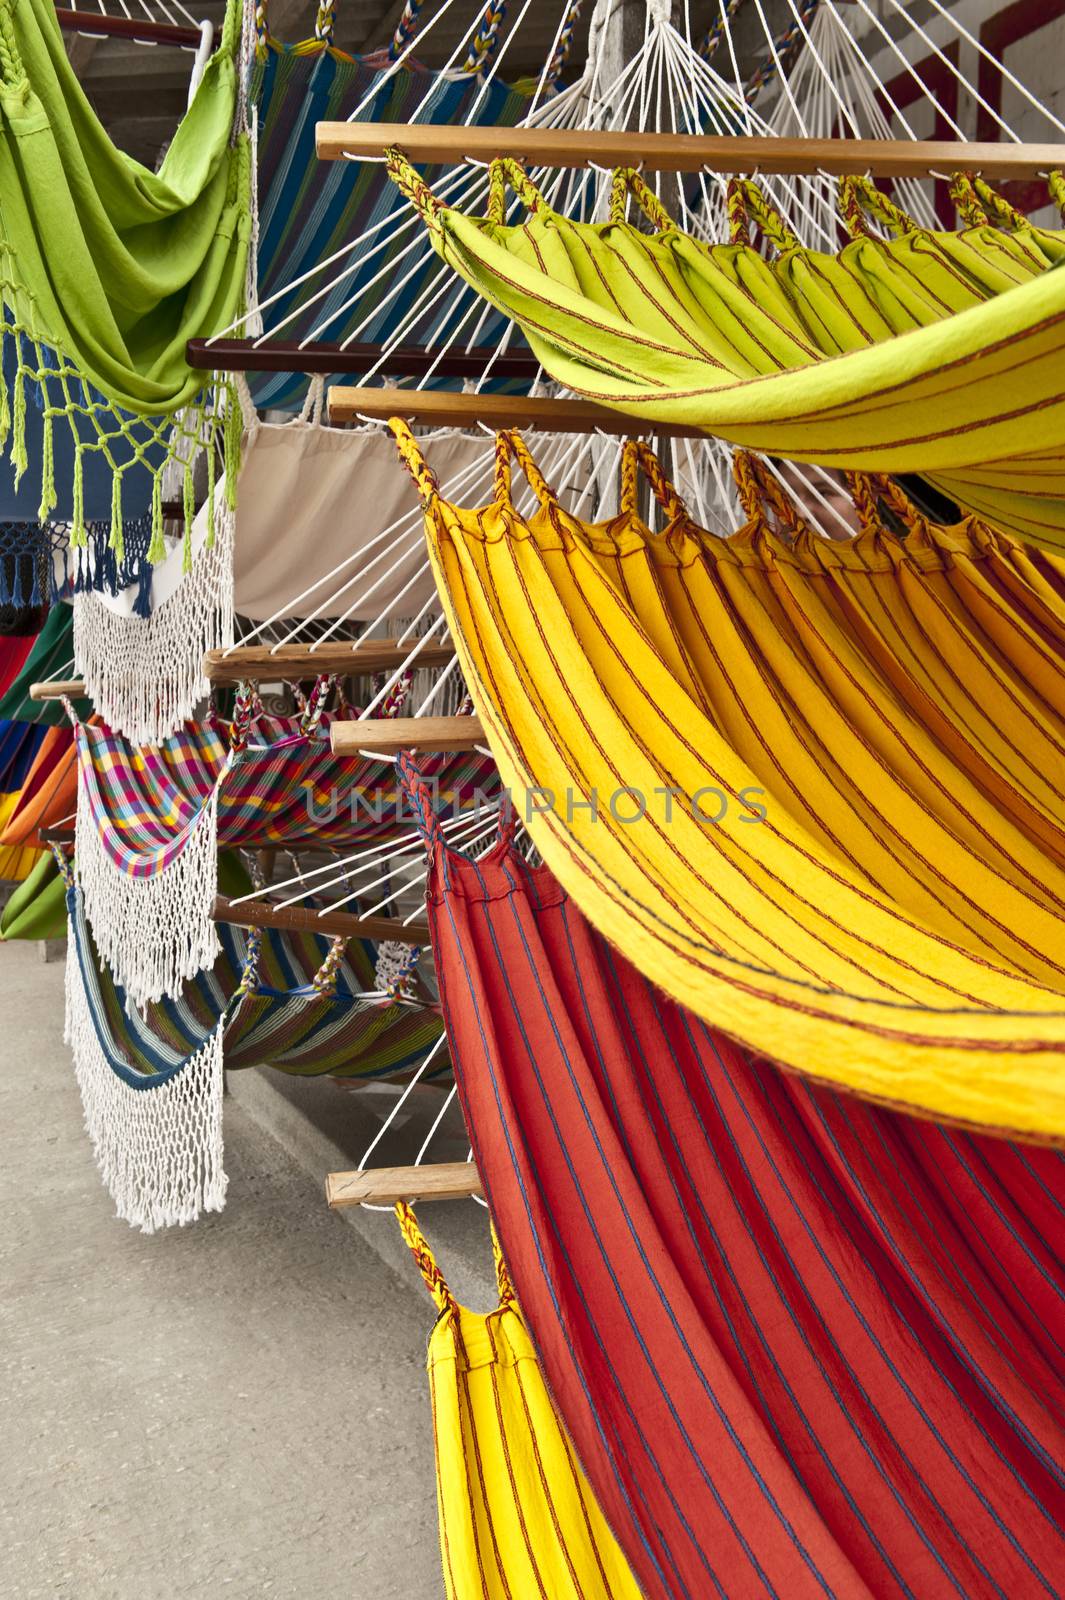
803, 1346
14, 648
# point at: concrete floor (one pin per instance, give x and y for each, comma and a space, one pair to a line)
238, 1408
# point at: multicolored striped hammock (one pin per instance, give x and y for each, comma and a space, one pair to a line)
308, 208
151, 1081
49, 793
932, 353
517, 1516
811, 789
151, 821
803, 1346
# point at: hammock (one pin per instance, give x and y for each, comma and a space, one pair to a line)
803, 1345
151, 1084
49, 796
37, 909
150, 822
108, 269
736, 784
516, 1514
856, 360
309, 208
51, 656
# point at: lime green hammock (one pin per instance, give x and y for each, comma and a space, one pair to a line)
107, 268
937, 353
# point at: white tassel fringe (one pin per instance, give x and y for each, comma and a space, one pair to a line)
144, 675
159, 1151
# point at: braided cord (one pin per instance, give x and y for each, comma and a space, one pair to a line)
418, 1245
557, 65
485, 40
405, 29
786, 49
717, 31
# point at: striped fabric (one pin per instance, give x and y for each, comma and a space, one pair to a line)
517, 1517
283, 1021
812, 791
52, 656
803, 1346
283, 789
310, 208
932, 353
50, 793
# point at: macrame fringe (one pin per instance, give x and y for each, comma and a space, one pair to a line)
159, 1150
155, 933
144, 675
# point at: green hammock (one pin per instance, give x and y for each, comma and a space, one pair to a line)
107, 269
937, 353
37, 908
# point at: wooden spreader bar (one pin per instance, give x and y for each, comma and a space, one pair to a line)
437, 144
440, 408
304, 919
384, 1186
141, 29
284, 663
389, 735
58, 689
322, 356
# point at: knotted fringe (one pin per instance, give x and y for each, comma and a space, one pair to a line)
159, 1148
144, 675
155, 933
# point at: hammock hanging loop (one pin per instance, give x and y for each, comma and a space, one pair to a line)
859, 199
626, 182
637, 456
870, 490
419, 1248
759, 490
510, 444
506, 172
747, 202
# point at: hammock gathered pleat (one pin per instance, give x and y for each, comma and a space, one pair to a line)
757, 772
151, 1083
151, 820
517, 1516
803, 1346
108, 268
932, 353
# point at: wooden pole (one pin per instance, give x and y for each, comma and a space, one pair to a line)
291, 662
388, 736
441, 409
304, 919
384, 1186
58, 689
441, 144
402, 361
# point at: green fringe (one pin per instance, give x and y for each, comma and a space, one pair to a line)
157, 547
48, 494
117, 538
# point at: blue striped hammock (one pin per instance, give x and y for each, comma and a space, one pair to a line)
309, 208
151, 1081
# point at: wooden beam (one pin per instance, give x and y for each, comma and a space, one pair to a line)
440, 409
98, 26
58, 688
320, 356
304, 919
438, 144
389, 735
58, 833
442, 1180
291, 662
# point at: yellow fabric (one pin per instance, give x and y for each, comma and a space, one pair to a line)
16, 861
929, 352
895, 924
517, 1518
